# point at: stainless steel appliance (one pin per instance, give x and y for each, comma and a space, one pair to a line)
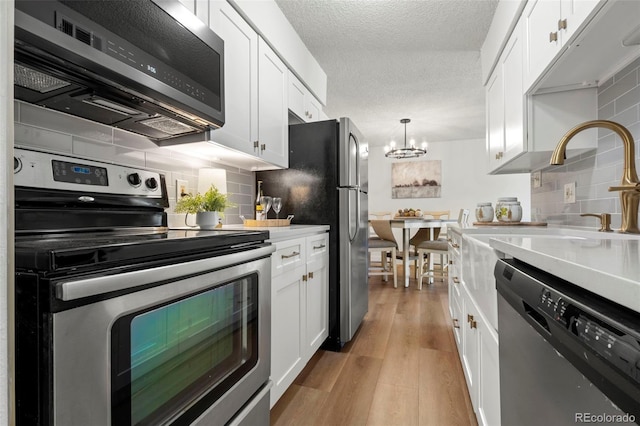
121, 321
327, 184
146, 66
567, 356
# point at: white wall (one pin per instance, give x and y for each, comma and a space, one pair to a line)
465, 181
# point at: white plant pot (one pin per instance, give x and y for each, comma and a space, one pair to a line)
207, 220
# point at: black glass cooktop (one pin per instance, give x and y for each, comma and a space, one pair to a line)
56, 252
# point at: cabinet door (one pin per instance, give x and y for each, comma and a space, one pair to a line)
541, 27
575, 12
287, 328
312, 108
317, 292
316, 306
240, 129
489, 376
470, 346
512, 73
495, 118
273, 125
296, 96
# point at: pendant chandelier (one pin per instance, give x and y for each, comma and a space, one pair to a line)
407, 151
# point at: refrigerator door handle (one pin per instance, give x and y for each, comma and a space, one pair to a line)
355, 235
357, 155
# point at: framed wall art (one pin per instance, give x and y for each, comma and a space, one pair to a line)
416, 179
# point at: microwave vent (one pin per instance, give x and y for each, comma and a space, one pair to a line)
83, 36
168, 125
36, 80
87, 37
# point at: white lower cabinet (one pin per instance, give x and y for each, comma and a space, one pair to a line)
299, 306
476, 339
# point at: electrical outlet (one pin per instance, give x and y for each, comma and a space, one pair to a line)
570, 193
537, 179
181, 188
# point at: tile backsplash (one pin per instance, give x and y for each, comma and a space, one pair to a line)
594, 171
40, 128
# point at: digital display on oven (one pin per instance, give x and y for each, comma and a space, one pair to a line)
79, 173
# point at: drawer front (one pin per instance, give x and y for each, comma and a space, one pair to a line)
317, 247
288, 256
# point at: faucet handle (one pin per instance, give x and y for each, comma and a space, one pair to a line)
605, 221
630, 187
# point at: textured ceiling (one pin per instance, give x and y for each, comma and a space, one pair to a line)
390, 59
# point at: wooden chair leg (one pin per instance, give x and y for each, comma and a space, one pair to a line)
395, 268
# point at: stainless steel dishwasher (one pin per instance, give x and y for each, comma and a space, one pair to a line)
567, 356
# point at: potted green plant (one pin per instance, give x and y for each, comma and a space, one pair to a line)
208, 207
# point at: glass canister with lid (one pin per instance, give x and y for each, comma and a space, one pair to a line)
508, 209
484, 212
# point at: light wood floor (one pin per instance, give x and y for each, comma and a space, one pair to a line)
401, 368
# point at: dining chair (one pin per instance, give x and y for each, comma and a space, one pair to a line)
426, 249
385, 243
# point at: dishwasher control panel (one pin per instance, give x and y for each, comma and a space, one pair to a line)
610, 342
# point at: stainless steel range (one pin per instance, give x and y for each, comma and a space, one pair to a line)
121, 321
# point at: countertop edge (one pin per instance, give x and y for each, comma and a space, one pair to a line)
618, 289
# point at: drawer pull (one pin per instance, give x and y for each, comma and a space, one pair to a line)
455, 323
289, 256
321, 246
456, 280
454, 245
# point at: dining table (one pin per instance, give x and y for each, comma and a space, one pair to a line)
409, 223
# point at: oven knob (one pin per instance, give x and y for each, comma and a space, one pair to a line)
151, 183
134, 179
17, 165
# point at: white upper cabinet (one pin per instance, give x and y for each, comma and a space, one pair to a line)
273, 125
505, 105
549, 26
240, 129
255, 90
301, 102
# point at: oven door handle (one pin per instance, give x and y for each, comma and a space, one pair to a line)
78, 289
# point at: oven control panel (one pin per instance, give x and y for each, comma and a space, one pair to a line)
42, 170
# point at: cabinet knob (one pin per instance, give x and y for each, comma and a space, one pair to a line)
456, 280
473, 324
455, 323
256, 144
562, 24
553, 37
263, 147
310, 275
304, 278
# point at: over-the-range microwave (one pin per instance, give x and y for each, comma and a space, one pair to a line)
146, 66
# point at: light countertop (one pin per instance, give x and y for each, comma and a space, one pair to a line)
607, 264
280, 233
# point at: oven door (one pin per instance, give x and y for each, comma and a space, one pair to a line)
196, 342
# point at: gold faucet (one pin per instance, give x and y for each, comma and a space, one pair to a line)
630, 186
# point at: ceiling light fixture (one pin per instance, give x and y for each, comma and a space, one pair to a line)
406, 152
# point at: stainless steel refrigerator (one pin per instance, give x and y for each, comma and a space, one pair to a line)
327, 184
